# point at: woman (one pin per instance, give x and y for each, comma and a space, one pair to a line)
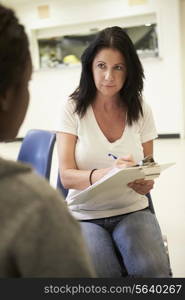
39, 238
106, 114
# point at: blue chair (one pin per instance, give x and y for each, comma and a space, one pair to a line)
37, 149
61, 187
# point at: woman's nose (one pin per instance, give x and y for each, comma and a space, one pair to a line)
109, 75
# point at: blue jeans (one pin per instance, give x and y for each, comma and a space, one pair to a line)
127, 245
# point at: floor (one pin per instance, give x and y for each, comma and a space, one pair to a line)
167, 195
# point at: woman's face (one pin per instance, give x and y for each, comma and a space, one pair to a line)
18, 100
109, 72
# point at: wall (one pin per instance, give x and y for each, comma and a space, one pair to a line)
163, 84
182, 19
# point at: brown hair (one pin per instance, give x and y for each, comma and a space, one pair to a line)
131, 93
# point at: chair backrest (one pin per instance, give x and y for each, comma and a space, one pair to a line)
37, 149
150, 203
61, 187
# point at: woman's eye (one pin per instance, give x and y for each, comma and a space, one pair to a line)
101, 66
118, 67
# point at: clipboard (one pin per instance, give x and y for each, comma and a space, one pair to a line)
116, 181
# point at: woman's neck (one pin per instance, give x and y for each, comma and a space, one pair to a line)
106, 103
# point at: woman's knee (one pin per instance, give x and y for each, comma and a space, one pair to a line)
153, 265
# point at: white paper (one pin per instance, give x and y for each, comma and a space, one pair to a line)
115, 182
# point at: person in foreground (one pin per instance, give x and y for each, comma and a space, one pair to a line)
105, 115
39, 237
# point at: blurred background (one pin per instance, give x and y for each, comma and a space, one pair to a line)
58, 32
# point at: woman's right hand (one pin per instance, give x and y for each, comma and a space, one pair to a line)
124, 162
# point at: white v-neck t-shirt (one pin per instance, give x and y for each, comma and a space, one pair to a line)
92, 150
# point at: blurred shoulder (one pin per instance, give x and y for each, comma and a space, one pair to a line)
21, 186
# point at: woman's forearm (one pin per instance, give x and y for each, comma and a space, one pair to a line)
79, 179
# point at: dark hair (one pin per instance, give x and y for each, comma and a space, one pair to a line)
14, 49
131, 93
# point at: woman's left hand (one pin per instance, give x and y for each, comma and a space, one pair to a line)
141, 186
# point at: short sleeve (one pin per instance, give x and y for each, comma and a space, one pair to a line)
147, 125
68, 119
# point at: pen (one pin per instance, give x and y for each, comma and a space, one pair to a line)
112, 155
115, 157
148, 160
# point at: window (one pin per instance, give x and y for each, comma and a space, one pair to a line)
67, 50
145, 39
